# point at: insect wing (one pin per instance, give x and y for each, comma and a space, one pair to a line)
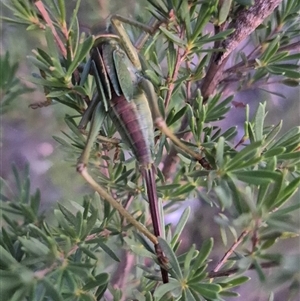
101, 72
124, 75
108, 59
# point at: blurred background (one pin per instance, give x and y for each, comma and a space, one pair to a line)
26, 135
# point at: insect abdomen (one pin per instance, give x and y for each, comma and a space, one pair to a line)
134, 123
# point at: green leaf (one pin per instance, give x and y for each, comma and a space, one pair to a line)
206, 290
6, 258
203, 253
287, 193
245, 157
203, 17
34, 246
272, 134
162, 290
82, 51
174, 38
91, 221
73, 18
259, 121
160, 6
220, 152
52, 290
257, 177
79, 223
64, 224
237, 281
18, 294
175, 267
88, 252
259, 271
180, 226
187, 295
290, 137
62, 10
270, 50
68, 214
274, 152
99, 280
187, 261
228, 294
289, 156
178, 115
184, 189
109, 251
286, 210
224, 11
223, 193
291, 82
184, 11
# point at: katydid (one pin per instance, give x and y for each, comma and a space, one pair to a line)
129, 98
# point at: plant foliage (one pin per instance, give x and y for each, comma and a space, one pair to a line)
251, 184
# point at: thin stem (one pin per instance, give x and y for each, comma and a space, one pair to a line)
231, 250
123, 273
44, 13
171, 78
229, 272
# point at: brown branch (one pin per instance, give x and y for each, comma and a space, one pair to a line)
46, 17
231, 250
246, 22
121, 275
171, 79
212, 79
229, 272
240, 67
294, 46
179, 60
171, 161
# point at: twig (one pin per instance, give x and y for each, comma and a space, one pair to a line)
231, 250
45, 15
294, 46
264, 265
171, 79
40, 274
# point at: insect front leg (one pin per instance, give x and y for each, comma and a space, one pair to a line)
98, 117
148, 29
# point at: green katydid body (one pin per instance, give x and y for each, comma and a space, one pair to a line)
121, 94
126, 104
